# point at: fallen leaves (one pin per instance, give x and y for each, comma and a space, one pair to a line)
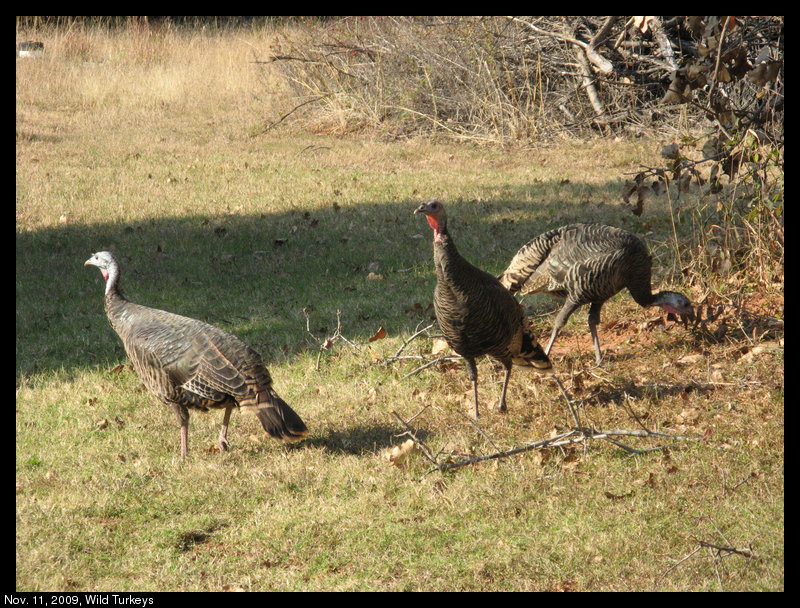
103, 424
689, 415
398, 454
439, 346
690, 359
761, 349
378, 335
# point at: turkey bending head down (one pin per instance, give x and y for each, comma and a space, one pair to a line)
588, 264
187, 364
477, 315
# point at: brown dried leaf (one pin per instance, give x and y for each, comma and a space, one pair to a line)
759, 350
764, 73
642, 193
399, 453
378, 335
689, 415
440, 345
650, 481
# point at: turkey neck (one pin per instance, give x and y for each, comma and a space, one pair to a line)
639, 283
114, 300
450, 265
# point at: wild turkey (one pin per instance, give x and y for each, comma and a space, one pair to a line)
476, 314
588, 264
187, 363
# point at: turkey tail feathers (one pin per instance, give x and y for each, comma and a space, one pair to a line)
531, 354
280, 421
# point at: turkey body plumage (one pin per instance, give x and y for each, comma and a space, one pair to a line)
476, 314
189, 364
588, 264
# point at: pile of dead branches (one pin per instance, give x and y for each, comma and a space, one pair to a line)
500, 79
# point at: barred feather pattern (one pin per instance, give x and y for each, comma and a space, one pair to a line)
476, 314
190, 364
588, 264
583, 262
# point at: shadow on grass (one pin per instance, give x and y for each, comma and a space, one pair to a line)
255, 275
623, 393
358, 440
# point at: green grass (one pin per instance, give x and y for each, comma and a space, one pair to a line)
247, 232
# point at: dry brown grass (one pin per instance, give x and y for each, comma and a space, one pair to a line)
145, 74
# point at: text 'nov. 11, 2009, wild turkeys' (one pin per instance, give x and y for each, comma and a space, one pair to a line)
476, 314
187, 364
588, 264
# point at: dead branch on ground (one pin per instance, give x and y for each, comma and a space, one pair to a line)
579, 434
327, 344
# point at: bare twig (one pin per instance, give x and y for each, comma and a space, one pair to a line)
570, 406
728, 550
479, 429
410, 432
603, 64
680, 561
571, 437
417, 415
557, 441
631, 450
604, 32
290, 112
429, 363
416, 334
744, 481
330, 340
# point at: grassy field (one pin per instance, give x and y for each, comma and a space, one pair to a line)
151, 145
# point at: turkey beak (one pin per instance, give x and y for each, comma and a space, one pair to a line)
420, 209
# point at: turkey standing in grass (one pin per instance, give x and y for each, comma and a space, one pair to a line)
588, 264
190, 364
476, 314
